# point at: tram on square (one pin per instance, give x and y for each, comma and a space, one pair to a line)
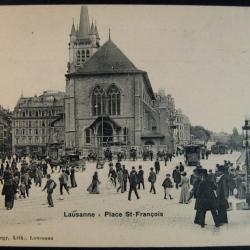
192, 154
219, 149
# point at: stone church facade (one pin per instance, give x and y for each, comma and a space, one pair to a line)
109, 101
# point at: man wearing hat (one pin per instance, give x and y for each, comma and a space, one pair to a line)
176, 175
152, 180
133, 180
222, 194
207, 199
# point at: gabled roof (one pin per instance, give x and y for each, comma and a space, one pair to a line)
108, 59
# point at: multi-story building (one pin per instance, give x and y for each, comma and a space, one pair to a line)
109, 101
182, 132
38, 124
5, 130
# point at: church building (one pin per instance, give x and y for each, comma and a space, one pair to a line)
109, 101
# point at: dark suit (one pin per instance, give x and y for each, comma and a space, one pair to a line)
222, 196
141, 178
207, 201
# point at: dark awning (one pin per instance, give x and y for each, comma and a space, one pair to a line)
105, 118
152, 135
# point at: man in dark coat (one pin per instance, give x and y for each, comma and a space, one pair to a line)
176, 175
196, 184
133, 180
151, 155
152, 180
125, 177
140, 178
207, 199
211, 176
72, 177
181, 167
157, 166
9, 190
166, 158
222, 194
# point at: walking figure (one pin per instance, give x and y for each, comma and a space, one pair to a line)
140, 178
167, 185
152, 180
50, 186
207, 199
133, 184
63, 179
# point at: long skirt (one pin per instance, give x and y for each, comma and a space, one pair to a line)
184, 194
93, 189
9, 201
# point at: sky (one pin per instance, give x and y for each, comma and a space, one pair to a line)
200, 55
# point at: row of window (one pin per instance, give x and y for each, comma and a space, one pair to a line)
30, 131
30, 140
38, 113
106, 102
30, 124
82, 56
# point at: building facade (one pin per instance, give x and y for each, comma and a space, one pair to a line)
109, 101
5, 130
38, 124
182, 132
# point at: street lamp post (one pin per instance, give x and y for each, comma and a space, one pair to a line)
100, 144
246, 128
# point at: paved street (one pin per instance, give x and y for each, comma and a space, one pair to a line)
32, 217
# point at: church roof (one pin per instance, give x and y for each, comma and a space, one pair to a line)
108, 59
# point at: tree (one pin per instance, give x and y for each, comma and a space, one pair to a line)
200, 133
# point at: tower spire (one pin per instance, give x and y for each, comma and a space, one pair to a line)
73, 29
92, 29
84, 23
109, 34
96, 32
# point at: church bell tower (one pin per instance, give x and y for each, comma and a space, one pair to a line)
84, 41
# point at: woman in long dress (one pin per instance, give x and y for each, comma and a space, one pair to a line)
9, 189
94, 186
184, 189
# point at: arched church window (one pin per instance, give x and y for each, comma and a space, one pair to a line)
83, 56
98, 101
125, 135
78, 57
154, 126
114, 100
87, 53
87, 135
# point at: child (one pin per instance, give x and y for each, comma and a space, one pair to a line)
22, 189
167, 185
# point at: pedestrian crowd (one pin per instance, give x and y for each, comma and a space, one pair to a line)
18, 182
210, 190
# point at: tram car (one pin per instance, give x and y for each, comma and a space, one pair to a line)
192, 155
